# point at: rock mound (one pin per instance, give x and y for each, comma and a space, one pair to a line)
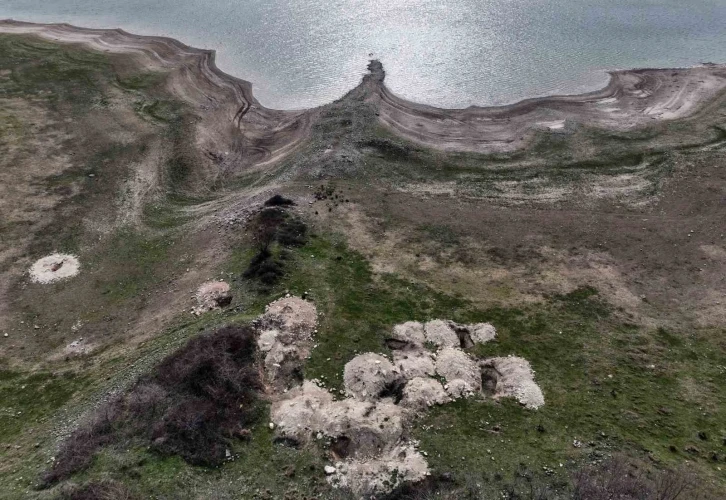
368, 478
211, 296
512, 377
441, 334
423, 392
413, 363
370, 377
461, 372
286, 332
366, 432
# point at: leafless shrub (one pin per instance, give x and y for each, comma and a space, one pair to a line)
191, 405
621, 480
98, 490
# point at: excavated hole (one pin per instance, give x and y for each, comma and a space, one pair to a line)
341, 448
287, 441
489, 380
393, 390
223, 301
396, 344
465, 341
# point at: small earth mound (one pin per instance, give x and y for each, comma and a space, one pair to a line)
286, 334
441, 334
54, 268
514, 377
423, 392
368, 478
410, 332
364, 427
368, 377
211, 296
413, 363
461, 372
481, 333
295, 318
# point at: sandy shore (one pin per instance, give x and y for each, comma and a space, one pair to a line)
232, 119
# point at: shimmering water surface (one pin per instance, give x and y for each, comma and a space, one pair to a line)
452, 53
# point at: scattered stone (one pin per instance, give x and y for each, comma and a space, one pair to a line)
267, 340
329, 469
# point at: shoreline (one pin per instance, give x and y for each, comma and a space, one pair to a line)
631, 99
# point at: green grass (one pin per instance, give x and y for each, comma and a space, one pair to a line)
138, 260
27, 400
573, 341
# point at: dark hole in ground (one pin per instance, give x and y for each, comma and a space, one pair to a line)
224, 301
489, 380
341, 447
396, 344
394, 390
287, 441
465, 341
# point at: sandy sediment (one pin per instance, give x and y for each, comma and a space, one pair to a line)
234, 120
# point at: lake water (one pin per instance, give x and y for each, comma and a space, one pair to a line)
452, 53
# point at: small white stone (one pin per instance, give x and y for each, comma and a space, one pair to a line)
272, 425
329, 469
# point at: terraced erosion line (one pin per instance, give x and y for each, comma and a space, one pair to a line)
234, 121
632, 99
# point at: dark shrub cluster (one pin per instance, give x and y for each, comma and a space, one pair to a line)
274, 229
279, 201
191, 405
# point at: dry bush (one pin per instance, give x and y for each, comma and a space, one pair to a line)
191, 405
621, 480
98, 490
274, 225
